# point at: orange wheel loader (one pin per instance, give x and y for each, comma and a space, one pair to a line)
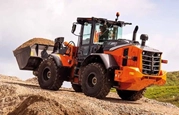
100, 60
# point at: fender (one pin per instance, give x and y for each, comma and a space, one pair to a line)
57, 59
107, 59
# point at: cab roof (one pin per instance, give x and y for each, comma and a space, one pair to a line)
82, 20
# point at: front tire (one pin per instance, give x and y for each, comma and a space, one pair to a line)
95, 82
49, 75
76, 87
130, 95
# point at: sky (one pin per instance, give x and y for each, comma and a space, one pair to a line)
22, 20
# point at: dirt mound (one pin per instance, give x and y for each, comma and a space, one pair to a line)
34, 41
9, 77
8, 103
33, 80
36, 104
19, 97
6, 90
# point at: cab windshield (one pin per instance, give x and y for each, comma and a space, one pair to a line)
104, 33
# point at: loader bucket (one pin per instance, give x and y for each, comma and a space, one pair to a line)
29, 58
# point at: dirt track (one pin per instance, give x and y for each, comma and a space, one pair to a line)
26, 98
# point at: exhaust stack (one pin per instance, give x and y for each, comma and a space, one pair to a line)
134, 33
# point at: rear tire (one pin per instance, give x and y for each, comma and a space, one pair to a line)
130, 95
49, 75
95, 82
76, 87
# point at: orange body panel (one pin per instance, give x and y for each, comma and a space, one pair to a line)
133, 51
130, 76
68, 59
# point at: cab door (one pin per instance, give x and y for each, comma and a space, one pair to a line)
85, 41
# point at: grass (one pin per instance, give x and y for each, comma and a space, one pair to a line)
167, 93
164, 93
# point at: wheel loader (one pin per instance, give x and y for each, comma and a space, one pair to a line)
101, 60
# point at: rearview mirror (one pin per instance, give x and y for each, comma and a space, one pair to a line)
73, 28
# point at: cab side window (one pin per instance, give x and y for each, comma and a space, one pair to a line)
86, 34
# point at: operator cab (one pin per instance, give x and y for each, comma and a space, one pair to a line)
99, 34
105, 32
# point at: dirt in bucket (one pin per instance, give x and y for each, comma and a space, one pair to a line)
34, 41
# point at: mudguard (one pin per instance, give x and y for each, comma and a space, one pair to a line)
107, 59
57, 59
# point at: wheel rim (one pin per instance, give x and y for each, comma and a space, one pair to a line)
92, 79
46, 74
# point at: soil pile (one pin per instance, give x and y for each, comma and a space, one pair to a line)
19, 97
34, 41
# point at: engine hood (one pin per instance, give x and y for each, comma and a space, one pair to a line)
147, 48
115, 44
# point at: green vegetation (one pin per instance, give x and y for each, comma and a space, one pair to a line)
167, 93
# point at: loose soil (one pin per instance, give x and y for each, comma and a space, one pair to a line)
19, 97
36, 41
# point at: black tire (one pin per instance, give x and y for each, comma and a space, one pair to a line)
35, 73
48, 75
130, 95
76, 87
95, 82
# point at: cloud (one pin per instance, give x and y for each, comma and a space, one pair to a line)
22, 20
169, 48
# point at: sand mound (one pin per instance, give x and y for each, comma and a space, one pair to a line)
33, 80
12, 78
26, 98
6, 90
34, 41
37, 104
